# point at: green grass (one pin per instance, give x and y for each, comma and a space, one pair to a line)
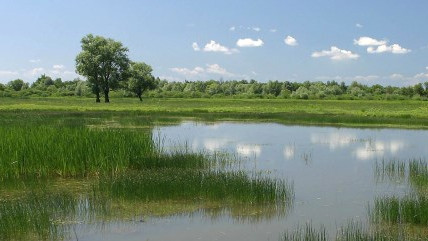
58, 168
56, 151
410, 209
45, 215
198, 186
404, 114
353, 231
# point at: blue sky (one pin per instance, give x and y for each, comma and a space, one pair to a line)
383, 41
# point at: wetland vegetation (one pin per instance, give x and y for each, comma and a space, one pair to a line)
55, 174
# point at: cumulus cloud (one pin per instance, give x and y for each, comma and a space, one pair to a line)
58, 66
335, 54
248, 42
36, 71
233, 28
395, 49
188, 72
216, 69
273, 30
7, 73
34, 60
257, 29
213, 46
200, 71
367, 41
380, 46
195, 46
359, 25
289, 40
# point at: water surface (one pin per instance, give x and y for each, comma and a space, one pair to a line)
332, 170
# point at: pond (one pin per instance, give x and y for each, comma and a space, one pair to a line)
333, 171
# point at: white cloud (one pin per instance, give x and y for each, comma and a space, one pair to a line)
36, 71
216, 69
421, 76
359, 25
248, 42
233, 28
34, 60
426, 68
195, 46
58, 67
273, 30
396, 76
199, 71
395, 49
188, 72
335, 54
367, 41
257, 29
213, 46
289, 40
7, 73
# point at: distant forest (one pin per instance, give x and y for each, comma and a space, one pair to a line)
46, 86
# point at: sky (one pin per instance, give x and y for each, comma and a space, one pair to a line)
372, 42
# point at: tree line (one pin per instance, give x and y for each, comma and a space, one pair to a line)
46, 86
107, 68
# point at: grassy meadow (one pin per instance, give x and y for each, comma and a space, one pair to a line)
364, 113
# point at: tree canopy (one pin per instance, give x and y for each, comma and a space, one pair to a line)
103, 61
140, 78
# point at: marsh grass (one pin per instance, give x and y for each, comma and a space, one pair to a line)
198, 186
46, 151
353, 231
411, 209
46, 216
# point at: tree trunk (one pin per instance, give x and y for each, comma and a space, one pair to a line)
106, 99
98, 97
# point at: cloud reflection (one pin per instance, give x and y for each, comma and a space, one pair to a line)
378, 148
334, 140
248, 150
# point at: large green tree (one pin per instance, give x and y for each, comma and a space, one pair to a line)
103, 61
140, 78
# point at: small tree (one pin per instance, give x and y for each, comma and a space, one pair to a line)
16, 85
140, 78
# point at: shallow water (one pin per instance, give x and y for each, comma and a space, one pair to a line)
332, 170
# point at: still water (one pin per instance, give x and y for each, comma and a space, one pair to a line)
332, 169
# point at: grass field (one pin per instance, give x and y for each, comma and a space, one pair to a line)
365, 113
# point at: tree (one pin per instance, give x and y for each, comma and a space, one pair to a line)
16, 85
103, 61
43, 81
2, 87
140, 78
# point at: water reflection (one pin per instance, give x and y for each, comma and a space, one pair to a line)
331, 168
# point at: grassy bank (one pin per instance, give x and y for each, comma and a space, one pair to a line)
372, 113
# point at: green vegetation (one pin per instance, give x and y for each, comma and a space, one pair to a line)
198, 186
351, 232
403, 114
411, 209
237, 89
58, 169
